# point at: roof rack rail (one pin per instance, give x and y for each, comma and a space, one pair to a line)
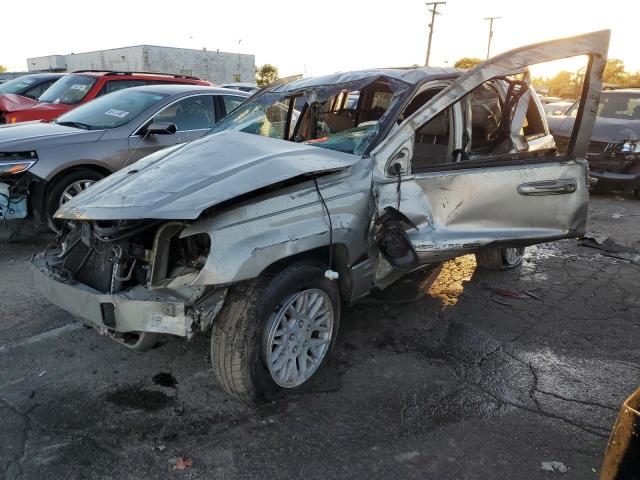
125, 72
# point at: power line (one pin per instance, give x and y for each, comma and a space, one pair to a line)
491, 19
434, 12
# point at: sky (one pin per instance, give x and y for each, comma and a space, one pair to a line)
315, 37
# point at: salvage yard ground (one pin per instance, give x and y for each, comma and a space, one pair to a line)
479, 380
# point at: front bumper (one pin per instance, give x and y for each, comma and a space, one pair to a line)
616, 181
12, 207
136, 310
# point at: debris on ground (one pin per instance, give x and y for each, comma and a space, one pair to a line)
609, 247
532, 295
554, 466
183, 463
506, 293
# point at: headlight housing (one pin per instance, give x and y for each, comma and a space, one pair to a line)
631, 146
17, 162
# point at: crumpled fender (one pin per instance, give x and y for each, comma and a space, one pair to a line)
247, 239
10, 102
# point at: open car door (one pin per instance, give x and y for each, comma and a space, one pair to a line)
512, 197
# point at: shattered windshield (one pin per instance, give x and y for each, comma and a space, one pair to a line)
345, 117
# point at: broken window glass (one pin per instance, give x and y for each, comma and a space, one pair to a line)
347, 117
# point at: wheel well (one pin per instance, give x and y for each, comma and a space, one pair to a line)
41, 189
66, 171
339, 264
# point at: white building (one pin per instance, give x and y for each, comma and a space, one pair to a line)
214, 66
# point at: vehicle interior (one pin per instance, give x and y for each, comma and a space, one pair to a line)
323, 118
489, 115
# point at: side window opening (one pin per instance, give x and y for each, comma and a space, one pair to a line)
192, 113
493, 128
486, 118
433, 143
534, 125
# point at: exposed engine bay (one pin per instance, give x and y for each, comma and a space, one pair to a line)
113, 257
134, 275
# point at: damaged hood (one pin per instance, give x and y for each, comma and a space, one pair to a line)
10, 102
182, 181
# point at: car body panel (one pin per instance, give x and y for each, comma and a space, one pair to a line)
24, 109
181, 183
256, 199
614, 150
458, 210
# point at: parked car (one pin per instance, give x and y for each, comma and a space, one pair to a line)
242, 86
44, 165
614, 151
259, 232
81, 87
30, 86
555, 109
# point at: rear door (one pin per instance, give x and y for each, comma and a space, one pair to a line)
508, 196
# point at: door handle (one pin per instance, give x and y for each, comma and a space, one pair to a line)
548, 187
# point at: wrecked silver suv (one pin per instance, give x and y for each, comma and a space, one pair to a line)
301, 201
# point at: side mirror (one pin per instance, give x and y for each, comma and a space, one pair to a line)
160, 128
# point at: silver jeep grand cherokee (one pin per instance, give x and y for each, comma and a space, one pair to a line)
300, 202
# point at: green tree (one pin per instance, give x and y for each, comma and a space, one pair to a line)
633, 80
3, 68
614, 72
560, 82
468, 62
266, 74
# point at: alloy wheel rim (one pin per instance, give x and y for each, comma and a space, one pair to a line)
297, 337
75, 189
513, 255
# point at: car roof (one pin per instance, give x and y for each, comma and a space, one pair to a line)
128, 75
178, 88
43, 75
411, 75
622, 90
239, 84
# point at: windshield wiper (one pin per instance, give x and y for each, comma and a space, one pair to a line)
84, 126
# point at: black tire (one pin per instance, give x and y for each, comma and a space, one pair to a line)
498, 259
408, 289
236, 336
57, 188
139, 341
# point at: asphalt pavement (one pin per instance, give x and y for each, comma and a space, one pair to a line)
493, 375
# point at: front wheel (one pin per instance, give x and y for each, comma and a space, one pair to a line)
66, 188
275, 332
500, 258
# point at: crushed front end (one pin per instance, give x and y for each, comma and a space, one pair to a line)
616, 170
129, 277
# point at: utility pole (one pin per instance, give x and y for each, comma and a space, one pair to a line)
491, 19
434, 12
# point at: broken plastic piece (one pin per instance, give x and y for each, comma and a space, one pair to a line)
331, 275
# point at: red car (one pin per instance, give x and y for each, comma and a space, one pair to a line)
77, 88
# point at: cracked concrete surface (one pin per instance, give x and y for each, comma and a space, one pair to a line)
468, 383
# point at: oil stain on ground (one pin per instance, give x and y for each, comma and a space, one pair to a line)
137, 398
165, 379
